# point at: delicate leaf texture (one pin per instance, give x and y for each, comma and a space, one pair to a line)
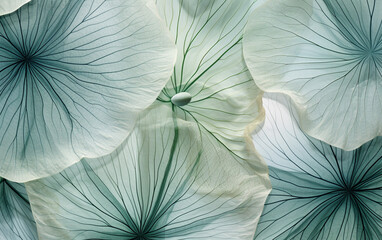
16, 220
319, 191
211, 68
159, 184
8, 6
74, 75
327, 56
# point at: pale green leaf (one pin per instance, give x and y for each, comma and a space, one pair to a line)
319, 191
8, 6
327, 56
16, 219
210, 67
74, 76
159, 184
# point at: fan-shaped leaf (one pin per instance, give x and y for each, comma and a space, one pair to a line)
327, 56
319, 191
210, 67
74, 75
160, 184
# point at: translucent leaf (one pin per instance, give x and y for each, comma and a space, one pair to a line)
327, 56
159, 184
8, 6
319, 191
16, 220
210, 67
74, 75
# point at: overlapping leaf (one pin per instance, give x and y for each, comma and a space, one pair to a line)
74, 75
211, 68
8, 6
327, 56
160, 184
16, 220
319, 191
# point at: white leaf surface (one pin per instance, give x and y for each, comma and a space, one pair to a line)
326, 55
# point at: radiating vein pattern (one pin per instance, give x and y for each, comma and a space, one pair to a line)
210, 67
327, 56
157, 185
319, 191
73, 75
16, 220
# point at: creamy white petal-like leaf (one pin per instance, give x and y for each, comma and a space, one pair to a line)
74, 76
327, 56
319, 191
210, 67
8, 6
16, 219
159, 184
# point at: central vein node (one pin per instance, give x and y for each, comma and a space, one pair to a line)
27, 59
181, 99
